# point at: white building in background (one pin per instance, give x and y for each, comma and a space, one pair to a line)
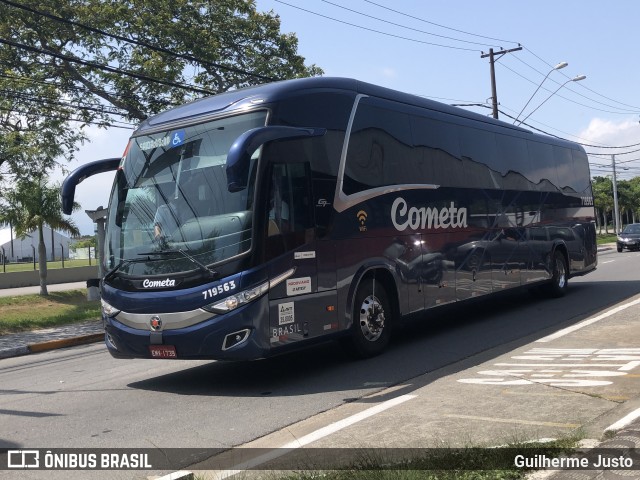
20, 250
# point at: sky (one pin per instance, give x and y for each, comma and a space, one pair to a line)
434, 49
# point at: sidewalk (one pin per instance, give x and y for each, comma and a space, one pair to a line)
56, 287
23, 343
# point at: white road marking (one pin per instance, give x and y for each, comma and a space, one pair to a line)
624, 421
583, 371
313, 436
608, 261
578, 326
512, 420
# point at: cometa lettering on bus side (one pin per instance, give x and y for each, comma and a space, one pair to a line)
404, 217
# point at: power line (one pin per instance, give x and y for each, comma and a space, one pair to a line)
53, 117
565, 98
439, 25
561, 138
100, 66
581, 85
73, 88
137, 42
377, 31
46, 101
573, 91
404, 26
618, 153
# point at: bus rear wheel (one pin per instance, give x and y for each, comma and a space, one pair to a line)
372, 313
559, 281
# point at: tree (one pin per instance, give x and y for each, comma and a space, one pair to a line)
32, 139
132, 58
31, 205
85, 242
603, 199
65, 64
626, 201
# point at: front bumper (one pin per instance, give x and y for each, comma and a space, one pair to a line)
629, 244
208, 339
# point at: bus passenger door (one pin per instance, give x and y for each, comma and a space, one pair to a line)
291, 252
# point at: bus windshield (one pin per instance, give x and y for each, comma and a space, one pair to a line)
170, 209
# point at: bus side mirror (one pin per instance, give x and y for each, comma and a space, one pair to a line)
239, 157
68, 190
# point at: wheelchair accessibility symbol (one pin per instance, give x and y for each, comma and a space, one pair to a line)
177, 138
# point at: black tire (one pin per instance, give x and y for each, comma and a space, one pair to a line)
619, 248
371, 327
559, 281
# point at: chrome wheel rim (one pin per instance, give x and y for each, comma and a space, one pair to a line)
371, 318
562, 276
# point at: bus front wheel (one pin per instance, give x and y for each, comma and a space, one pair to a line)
372, 313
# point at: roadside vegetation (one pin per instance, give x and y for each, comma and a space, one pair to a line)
26, 267
31, 312
470, 463
603, 238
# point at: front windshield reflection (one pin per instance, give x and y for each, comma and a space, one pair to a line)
170, 208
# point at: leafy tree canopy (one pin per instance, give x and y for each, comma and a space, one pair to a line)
140, 56
65, 64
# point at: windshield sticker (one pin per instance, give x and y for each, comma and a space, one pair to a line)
174, 139
177, 138
155, 143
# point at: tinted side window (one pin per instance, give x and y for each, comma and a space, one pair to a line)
324, 110
514, 163
543, 166
380, 148
480, 158
438, 153
581, 182
564, 167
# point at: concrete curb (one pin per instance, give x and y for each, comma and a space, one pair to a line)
51, 345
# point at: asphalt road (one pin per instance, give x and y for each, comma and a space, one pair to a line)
81, 397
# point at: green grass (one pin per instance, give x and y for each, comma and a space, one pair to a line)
25, 267
30, 312
441, 464
605, 238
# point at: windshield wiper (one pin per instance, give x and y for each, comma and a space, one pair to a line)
202, 266
123, 262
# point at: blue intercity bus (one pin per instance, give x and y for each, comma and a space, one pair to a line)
268, 218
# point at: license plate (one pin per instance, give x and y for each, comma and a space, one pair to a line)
163, 351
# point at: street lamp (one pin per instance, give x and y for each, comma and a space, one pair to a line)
557, 67
574, 79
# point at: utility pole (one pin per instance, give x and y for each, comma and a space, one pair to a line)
492, 61
615, 195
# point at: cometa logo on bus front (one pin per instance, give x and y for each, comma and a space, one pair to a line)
158, 283
404, 217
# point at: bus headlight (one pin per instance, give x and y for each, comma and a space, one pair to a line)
234, 301
108, 310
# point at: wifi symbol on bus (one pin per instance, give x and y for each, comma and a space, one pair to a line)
362, 218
